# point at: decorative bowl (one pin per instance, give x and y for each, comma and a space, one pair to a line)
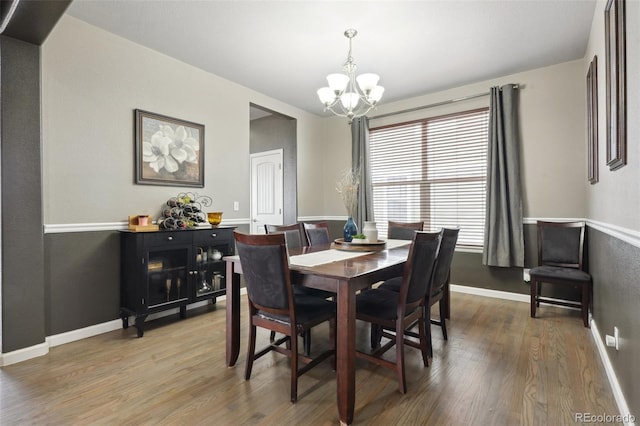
214, 218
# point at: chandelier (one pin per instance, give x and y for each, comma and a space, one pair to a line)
347, 95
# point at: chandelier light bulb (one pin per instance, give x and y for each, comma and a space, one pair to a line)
338, 82
326, 95
347, 95
376, 94
349, 100
367, 81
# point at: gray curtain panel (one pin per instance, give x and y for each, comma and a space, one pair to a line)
503, 233
360, 162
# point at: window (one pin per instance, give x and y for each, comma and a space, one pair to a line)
432, 170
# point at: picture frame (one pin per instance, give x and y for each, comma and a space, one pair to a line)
616, 76
168, 151
592, 121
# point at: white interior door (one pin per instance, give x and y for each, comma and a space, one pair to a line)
266, 190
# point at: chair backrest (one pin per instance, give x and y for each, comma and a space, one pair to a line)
561, 243
418, 270
403, 230
265, 268
317, 233
443, 261
294, 235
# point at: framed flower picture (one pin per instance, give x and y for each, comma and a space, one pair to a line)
169, 151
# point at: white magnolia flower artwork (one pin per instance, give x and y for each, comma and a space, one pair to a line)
168, 148
169, 152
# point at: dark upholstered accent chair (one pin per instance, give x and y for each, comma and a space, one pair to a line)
317, 233
560, 262
394, 312
403, 230
439, 290
296, 238
294, 234
273, 305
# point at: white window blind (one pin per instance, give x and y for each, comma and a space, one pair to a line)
432, 170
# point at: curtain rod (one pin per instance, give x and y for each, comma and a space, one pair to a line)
449, 101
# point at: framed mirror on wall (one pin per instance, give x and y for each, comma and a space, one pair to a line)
592, 121
615, 52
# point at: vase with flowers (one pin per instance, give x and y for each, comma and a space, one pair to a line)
347, 187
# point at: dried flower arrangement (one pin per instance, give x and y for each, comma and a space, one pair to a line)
347, 187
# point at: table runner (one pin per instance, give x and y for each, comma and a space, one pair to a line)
333, 255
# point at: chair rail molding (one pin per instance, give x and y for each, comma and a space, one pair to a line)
113, 226
625, 234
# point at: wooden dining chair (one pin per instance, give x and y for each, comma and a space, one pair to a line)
560, 262
273, 305
403, 230
295, 238
394, 312
441, 278
317, 233
294, 234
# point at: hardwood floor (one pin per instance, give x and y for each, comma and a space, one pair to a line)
499, 367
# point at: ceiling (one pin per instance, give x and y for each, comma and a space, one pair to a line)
285, 49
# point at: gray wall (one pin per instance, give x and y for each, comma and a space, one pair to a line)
616, 296
82, 272
23, 298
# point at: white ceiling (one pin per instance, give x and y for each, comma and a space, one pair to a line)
285, 49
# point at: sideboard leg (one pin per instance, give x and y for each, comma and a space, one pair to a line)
140, 325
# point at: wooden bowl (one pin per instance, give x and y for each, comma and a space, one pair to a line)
214, 218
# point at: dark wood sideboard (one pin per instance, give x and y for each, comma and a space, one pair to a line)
171, 269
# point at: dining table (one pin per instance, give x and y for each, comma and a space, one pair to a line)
343, 272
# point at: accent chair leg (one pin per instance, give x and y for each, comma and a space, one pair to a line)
534, 293
585, 304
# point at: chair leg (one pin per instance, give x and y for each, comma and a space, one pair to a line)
272, 337
376, 335
294, 367
306, 340
332, 342
425, 343
251, 351
402, 382
585, 304
443, 317
427, 325
538, 293
534, 292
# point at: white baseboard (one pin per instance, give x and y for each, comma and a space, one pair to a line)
627, 417
497, 294
24, 354
83, 333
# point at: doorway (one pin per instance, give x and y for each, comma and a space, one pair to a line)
271, 131
266, 190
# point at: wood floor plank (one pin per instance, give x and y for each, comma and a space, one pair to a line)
499, 367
